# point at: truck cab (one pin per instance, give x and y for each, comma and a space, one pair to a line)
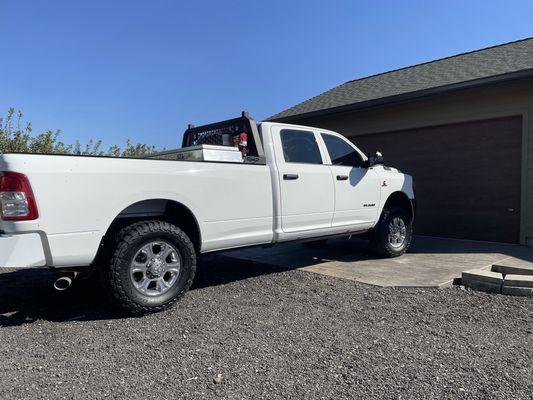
325, 184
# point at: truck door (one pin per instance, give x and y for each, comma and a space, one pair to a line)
357, 189
306, 186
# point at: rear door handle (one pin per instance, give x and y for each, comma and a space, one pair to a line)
342, 177
290, 177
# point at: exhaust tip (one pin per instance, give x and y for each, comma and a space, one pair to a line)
62, 283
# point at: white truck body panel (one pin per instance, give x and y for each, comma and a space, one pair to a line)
79, 197
234, 204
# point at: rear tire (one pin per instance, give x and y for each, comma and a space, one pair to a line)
152, 266
393, 233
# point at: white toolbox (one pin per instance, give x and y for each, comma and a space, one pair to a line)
208, 152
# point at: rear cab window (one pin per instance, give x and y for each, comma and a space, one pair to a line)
300, 147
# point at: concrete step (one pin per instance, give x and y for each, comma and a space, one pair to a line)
518, 285
497, 282
518, 280
483, 280
517, 291
513, 266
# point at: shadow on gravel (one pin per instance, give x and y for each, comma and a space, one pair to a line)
27, 295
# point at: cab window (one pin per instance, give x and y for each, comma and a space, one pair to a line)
300, 147
340, 152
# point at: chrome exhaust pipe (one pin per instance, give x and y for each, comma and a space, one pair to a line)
63, 283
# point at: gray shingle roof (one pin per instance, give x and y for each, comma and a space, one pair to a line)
480, 64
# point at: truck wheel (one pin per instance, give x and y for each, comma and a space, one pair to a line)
152, 266
392, 235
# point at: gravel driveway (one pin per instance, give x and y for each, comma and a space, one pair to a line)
272, 334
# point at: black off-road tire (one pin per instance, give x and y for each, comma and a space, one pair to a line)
116, 274
379, 243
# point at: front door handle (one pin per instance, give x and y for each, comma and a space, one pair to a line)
342, 177
290, 177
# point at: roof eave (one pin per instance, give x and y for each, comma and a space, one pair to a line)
409, 96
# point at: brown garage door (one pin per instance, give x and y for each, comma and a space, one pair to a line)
467, 176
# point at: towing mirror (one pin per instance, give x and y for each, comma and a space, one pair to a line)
374, 159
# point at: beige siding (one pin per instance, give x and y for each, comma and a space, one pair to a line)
514, 98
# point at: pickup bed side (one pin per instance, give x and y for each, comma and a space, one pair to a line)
79, 198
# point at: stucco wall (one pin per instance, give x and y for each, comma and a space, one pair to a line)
506, 99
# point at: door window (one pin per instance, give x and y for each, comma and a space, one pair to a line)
300, 147
341, 153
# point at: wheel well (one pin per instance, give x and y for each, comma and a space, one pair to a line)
400, 199
159, 209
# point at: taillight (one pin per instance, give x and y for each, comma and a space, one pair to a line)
16, 198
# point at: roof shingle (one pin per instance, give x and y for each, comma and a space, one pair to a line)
493, 61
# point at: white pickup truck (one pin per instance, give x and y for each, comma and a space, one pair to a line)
142, 222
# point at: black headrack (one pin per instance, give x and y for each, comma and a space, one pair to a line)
212, 134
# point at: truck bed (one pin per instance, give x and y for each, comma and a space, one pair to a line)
80, 195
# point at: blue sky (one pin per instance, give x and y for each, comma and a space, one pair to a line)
144, 69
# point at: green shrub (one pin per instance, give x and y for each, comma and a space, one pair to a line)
16, 136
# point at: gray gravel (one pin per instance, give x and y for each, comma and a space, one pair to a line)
265, 333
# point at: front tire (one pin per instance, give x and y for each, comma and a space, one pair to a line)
393, 233
152, 266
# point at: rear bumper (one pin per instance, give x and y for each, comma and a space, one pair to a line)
21, 251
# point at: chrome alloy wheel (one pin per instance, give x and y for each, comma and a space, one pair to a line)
155, 268
397, 232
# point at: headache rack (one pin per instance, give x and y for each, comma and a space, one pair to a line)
219, 142
226, 133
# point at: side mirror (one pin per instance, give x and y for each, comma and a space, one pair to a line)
374, 159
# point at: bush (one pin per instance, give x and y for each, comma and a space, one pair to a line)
16, 136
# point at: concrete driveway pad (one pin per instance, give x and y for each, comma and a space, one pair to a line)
430, 262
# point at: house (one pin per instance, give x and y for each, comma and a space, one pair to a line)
461, 125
